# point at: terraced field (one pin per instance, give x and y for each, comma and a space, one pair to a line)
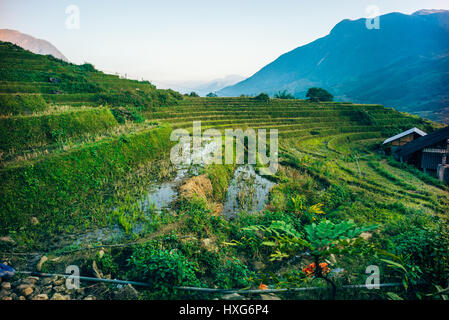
80, 150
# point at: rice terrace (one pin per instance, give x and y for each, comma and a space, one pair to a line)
356, 208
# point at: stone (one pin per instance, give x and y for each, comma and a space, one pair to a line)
89, 297
7, 239
60, 288
30, 280
3, 293
6, 285
366, 235
6, 298
22, 298
41, 297
232, 296
58, 281
46, 281
27, 291
58, 296
209, 244
41, 263
127, 292
269, 296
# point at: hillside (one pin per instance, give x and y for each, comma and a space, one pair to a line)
30, 43
87, 180
404, 64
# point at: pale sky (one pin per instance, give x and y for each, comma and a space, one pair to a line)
187, 40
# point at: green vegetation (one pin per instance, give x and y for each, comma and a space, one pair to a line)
284, 95
318, 94
262, 97
97, 145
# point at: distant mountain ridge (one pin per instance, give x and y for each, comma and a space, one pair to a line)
30, 43
404, 64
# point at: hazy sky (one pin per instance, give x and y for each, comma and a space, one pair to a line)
176, 40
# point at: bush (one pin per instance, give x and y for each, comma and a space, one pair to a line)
284, 95
319, 94
163, 270
233, 275
262, 97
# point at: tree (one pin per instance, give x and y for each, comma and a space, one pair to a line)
193, 94
211, 95
284, 95
319, 94
262, 97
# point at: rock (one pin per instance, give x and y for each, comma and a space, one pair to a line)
6, 285
30, 280
4, 293
34, 221
7, 239
127, 292
232, 296
60, 288
89, 297
41, 262
209, 245
58, 281
27, 291
41, 297
22, 298
6, 298
269, 296
366, 235
58, 296
23, 286
46, 281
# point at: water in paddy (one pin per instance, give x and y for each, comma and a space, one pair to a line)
248, 191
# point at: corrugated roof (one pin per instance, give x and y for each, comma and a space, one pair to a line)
423, 142
403, 134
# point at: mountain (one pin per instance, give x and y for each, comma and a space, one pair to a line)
203, 87
217, 84
403, 64
30, 43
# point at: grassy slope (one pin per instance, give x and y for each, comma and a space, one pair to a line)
328, 154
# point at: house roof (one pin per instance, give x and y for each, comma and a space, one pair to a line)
403, 134
423, 142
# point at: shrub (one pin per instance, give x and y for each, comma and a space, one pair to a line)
262, 97
284, 95
163, 270
319, 94
233, 274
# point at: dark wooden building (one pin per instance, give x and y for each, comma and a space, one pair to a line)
429, 153
393, 143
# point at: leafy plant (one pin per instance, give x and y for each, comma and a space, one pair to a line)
163, 269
